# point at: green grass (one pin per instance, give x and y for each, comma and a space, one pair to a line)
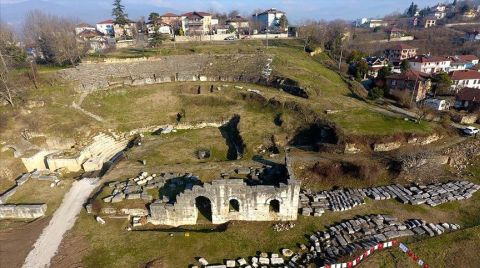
363, 121
243, 239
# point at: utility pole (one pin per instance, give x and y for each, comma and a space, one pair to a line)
266, 35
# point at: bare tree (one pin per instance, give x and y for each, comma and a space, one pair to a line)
11, 55
312, 33
54, 37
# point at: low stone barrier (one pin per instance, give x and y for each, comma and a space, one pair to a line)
22, 211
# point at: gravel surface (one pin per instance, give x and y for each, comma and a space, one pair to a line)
63, 220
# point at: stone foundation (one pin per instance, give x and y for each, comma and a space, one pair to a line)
22, 211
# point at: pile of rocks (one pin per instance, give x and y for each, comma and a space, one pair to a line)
283, 226
136, 188
336, 200
360, 234
345, 199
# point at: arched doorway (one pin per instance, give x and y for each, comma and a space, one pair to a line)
204, 206
233, 205
274, 206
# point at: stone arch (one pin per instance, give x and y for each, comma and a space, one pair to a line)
274, 206
234, 205
203, 205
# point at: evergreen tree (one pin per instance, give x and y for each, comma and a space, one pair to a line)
412, 10
283, 22
118, 12
405, 65
153, 17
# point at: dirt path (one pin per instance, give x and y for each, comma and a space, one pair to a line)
63, 220
17, 241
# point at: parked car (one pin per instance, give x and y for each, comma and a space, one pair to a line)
470, 131
229, 38
246, 37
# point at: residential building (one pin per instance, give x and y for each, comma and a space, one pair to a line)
106, 27
126, 31
400, 52
439, 12
472, 36
160, 28
370, 23
174, 20
375, 64
463, 62
396, 33
470, 14
466, 78
427, 22
468, 99
412, 83
430, 64
436, 104
84, 27
197, 23
239, 23
269, 20
221, 29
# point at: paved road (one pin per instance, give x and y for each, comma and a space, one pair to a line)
63, 220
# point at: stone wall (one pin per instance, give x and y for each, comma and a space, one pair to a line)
22, 211
136, 72
254, 202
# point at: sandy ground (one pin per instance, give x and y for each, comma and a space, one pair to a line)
63, 220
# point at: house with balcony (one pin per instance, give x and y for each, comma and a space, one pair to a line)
430, 64
375, 64
197, 23
400, 52
106, 27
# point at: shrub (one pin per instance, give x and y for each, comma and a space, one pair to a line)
375, 93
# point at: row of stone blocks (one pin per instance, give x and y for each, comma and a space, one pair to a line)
362, 233
346, 199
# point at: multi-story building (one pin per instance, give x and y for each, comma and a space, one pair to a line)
375, 64
238, 22
106, 27
83, 27
400, 52
269, 19
463, 62
197, 23
412, 83
466, 78
430, 64
428, 22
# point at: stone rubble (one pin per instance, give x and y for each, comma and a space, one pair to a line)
362, 233
137, 187
345, 199
283, 226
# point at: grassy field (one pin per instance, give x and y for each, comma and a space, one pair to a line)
133, 249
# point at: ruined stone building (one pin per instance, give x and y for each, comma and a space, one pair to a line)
232, 199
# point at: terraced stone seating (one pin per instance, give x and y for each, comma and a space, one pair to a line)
91, 158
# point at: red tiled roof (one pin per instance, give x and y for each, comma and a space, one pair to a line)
469, 94
467, 57
423, 58
199, 13
465, 75
410, 75
110, 21
237, 19
84, 25
169, 14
